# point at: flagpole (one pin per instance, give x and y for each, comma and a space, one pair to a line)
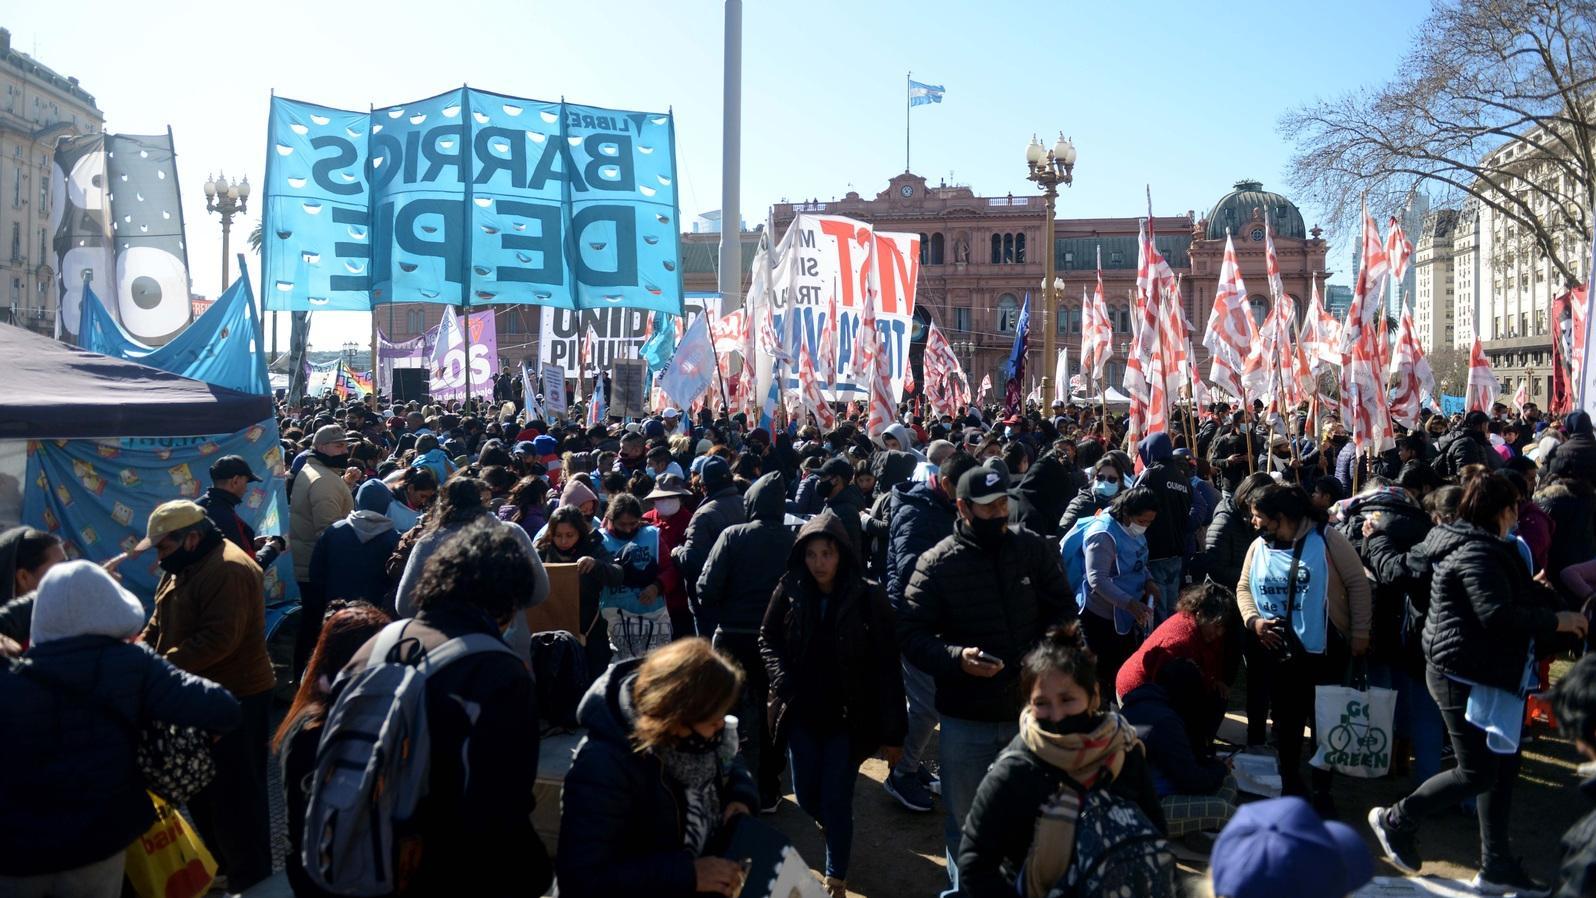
906, 106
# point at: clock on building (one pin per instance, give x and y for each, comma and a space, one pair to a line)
1257, 235
907, 190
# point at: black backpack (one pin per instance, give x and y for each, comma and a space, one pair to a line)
559, 676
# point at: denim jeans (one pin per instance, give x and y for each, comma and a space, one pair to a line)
1479, 772
1425, 728
823, 775
968, 748
1166, 572
921, 689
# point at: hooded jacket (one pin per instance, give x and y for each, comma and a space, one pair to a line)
1402, 525
847, 505
1575, 456
1484, 608
722, 508
921, 516
672, 530
1461, 448
746, 562
350, 561
905, 438
70, 792
1000, 599
891, 469
620, 815
1169, 479
1176, 768
833, 660
1042, 494
1571, 504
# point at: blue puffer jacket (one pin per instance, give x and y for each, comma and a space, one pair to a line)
621, 823
70, 793
921, 517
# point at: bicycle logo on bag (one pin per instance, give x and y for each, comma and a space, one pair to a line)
1356, 741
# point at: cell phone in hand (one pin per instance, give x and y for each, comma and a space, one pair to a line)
989, 658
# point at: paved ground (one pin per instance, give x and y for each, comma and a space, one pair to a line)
899, 853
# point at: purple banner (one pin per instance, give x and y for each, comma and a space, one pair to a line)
449, 380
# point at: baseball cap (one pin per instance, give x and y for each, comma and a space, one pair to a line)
545, 445
1281, 847
984, 484
232, 466
525, 447
167, 517
670, 413
330, 433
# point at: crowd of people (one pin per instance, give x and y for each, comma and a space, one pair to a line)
1034, 620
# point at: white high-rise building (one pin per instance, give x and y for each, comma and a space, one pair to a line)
1433, 287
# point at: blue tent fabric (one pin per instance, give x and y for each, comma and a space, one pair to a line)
55, 391
218, 348
97, 494
1451, 405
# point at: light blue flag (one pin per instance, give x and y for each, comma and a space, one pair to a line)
661, 345
692, 369
921, 94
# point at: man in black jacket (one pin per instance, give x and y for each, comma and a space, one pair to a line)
1574, 703
231, 476
844, 499
734, 590
976, 603
722, 508
1169, 480
1469, 446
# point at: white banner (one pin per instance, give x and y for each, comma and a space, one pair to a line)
823, 258
553, 380
621, 333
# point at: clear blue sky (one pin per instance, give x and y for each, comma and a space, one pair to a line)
1180, 96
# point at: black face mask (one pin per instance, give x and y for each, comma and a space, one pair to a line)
336, 462
694, 744
1075, 723
180, 560
988, 532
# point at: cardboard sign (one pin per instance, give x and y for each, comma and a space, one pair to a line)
563, 608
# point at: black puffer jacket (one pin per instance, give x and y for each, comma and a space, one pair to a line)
1484, 608
1085, 504
921, 517
1000, 600
855, 680
1461, 448
747, 561
722, 508
621, 826
1571, 504
1225, 549
1402, 525
1001, 824
893, 468
1575, 456
1043, 492
70, 792
847, 504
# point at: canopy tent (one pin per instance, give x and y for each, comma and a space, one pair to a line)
1115, 397
54, 391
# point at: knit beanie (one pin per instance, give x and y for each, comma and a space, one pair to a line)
78, 598
577, 494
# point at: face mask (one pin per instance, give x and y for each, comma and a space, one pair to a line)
1136, 529
1075, 723
694, 744
178, 561
988, 531
1106, 488
668, 507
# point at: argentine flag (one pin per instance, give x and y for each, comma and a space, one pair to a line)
921, 94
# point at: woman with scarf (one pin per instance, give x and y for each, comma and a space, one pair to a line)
657, 784
570, 538
1020, 835
836, 689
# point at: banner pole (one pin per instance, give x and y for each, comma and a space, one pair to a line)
465, 250
906, 107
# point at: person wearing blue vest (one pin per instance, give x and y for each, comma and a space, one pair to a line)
1304, 594
1115, 592
635, 610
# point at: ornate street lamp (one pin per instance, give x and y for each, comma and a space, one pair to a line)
1048, 169
227, 198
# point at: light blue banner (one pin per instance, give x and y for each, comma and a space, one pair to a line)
97, 495
218, 348
474, 197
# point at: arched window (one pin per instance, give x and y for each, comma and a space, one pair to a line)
997, 248
1019, 249
1008, 313
1008, 247
1260, 307
925, 249
936, 249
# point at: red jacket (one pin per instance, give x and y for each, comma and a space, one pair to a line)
1177, 637
672, 531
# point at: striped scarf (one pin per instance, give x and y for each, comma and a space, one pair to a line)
1086, 759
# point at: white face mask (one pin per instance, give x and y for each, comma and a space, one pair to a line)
667, 507
1136, 529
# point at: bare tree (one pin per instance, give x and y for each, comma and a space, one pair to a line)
1495, 100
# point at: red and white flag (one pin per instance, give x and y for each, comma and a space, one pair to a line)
882, 406
1320, 337
1521, 396
1154, 360
1364, 406
809, 390
1366, 292
1482, 380
986, 387
589, 348
1411, 369
827, 361
945, 381
1102, 331
1398, 250
1231, 332
863, 357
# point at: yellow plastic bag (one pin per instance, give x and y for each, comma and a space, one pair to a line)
169, 860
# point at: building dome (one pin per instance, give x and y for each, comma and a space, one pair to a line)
1234, 211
